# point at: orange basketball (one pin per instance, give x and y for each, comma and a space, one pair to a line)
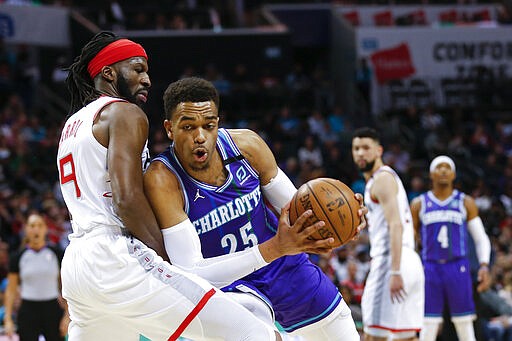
331, 201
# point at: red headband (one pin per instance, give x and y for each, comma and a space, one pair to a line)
115, 52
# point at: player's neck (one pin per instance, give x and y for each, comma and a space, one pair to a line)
215, 174
442, 192
376, 167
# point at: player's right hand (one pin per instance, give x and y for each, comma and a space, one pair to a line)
297, 238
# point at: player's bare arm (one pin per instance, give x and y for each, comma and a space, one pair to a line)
415, 211
471, 208
385, 189
123, 129
164, 194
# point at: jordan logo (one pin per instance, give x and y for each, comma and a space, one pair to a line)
198, 196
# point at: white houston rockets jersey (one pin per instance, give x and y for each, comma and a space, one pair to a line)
83, 174
378, 228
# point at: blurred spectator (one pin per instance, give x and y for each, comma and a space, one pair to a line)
316, 123
324, 264
161, 22
340, 262
497, 314
397, 158
506, 198
362, 258
111, 16
363, 80
322, 89
353, 282
292, 169
178, 22
310, 152
416, 187
336, 119
287, 124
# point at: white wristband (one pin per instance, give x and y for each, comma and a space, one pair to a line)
395, 273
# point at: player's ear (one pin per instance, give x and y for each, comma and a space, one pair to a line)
380, 150
168, 128
108, 73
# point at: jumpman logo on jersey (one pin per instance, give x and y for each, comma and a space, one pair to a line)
198, 196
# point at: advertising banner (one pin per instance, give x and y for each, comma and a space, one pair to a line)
446, 65
440, 52
35, 25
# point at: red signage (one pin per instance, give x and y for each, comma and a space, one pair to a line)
393, 63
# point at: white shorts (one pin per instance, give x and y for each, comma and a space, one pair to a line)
337, 326
381, 317
119, 289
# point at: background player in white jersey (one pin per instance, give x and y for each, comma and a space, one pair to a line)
114, 279
392, 302
442, 218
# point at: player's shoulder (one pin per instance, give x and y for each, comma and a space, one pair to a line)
246, 139
384, 176
468, 199
158, 174
416, 202
123, 110
242, 134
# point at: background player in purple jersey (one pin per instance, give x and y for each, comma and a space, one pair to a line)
213, 183
442, 218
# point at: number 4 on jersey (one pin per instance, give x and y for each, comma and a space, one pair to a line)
442, 237
67, 172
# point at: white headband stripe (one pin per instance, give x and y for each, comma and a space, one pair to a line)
441, 159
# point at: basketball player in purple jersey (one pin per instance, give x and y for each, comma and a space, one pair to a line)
442, 218
209, 191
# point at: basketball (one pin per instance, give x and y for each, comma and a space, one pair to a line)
331, 201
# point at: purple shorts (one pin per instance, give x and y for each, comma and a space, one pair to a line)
448, 283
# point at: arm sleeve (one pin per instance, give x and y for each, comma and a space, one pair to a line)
482, 243
183, 247
279, 191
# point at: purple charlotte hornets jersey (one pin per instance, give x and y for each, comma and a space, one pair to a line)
233, 217
444, 237
444, 232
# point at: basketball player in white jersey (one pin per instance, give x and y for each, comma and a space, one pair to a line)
115, 280
392, 302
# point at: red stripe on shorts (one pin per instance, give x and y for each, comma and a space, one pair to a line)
191, 315
395, 330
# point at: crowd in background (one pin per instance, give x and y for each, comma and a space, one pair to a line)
310, 136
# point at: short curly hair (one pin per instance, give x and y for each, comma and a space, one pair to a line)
190, 89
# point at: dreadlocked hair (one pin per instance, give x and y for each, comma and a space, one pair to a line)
78, 81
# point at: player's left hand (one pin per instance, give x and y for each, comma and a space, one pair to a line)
396, 288
484, 279
363, 210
